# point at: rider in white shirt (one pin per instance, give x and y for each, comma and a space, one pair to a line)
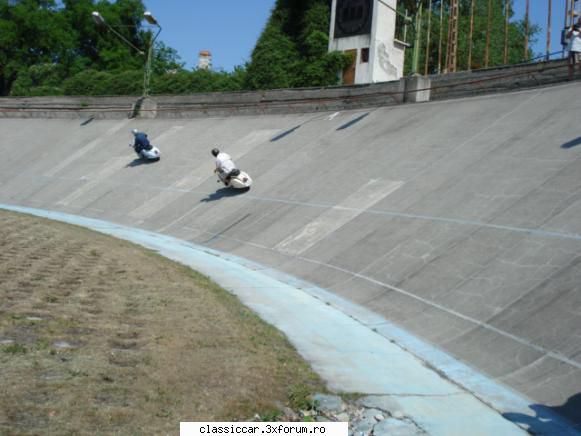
225, 166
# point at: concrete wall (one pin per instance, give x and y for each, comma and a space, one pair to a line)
495, 80
288, 101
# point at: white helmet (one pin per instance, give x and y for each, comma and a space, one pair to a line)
134, 131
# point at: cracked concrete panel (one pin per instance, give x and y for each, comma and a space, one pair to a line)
536, 209
540, 376
414, 313
105, 137
565, 221
567, 180
90, 189
557, 297
497, 354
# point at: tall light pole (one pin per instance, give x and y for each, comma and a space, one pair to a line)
527, 9
151, 20
470, 35
428, 39
100, 21
418, 32
549, 13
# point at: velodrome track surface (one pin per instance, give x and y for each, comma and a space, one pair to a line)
457, 220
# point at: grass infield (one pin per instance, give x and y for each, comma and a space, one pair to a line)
101, 336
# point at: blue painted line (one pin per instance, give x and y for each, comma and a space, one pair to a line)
536, 232
529, 231
352, 348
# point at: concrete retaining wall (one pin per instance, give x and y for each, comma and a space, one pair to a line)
495, 80
289, 101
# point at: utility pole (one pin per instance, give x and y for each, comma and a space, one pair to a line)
488, 25
452, 37
506, 17
527, 10
440, 39
470, 35
428, 39
549, 30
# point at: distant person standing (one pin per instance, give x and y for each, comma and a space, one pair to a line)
574, 36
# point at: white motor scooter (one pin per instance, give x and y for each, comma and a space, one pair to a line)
151, 155
238, 179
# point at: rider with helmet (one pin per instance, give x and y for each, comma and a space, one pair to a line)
225, 166
141, 141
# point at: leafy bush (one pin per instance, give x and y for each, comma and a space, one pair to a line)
89, 82
41, 79
125, 83
200, 80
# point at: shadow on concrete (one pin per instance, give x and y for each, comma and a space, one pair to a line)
353, 121
224, 192
138, 161
283, 134
572, 143
547, 418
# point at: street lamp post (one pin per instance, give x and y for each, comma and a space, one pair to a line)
151, 20
100, 21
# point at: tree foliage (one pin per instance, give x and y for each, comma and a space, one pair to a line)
50, 47
44, 45
292, 50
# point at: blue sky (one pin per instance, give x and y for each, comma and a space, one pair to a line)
230, 28
227, 28
538, 15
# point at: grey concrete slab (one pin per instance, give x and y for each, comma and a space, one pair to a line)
456, 220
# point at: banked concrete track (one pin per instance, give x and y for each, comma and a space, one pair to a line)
456, 220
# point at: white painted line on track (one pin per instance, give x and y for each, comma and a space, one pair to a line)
337, 216
87, 148
173, 130
109, 168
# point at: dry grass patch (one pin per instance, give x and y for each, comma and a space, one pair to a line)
99, 336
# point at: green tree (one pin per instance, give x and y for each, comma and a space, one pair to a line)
274, 60
41, 79
31, 33
88, 82
165, 59
199, 80
44, 43
292, 50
